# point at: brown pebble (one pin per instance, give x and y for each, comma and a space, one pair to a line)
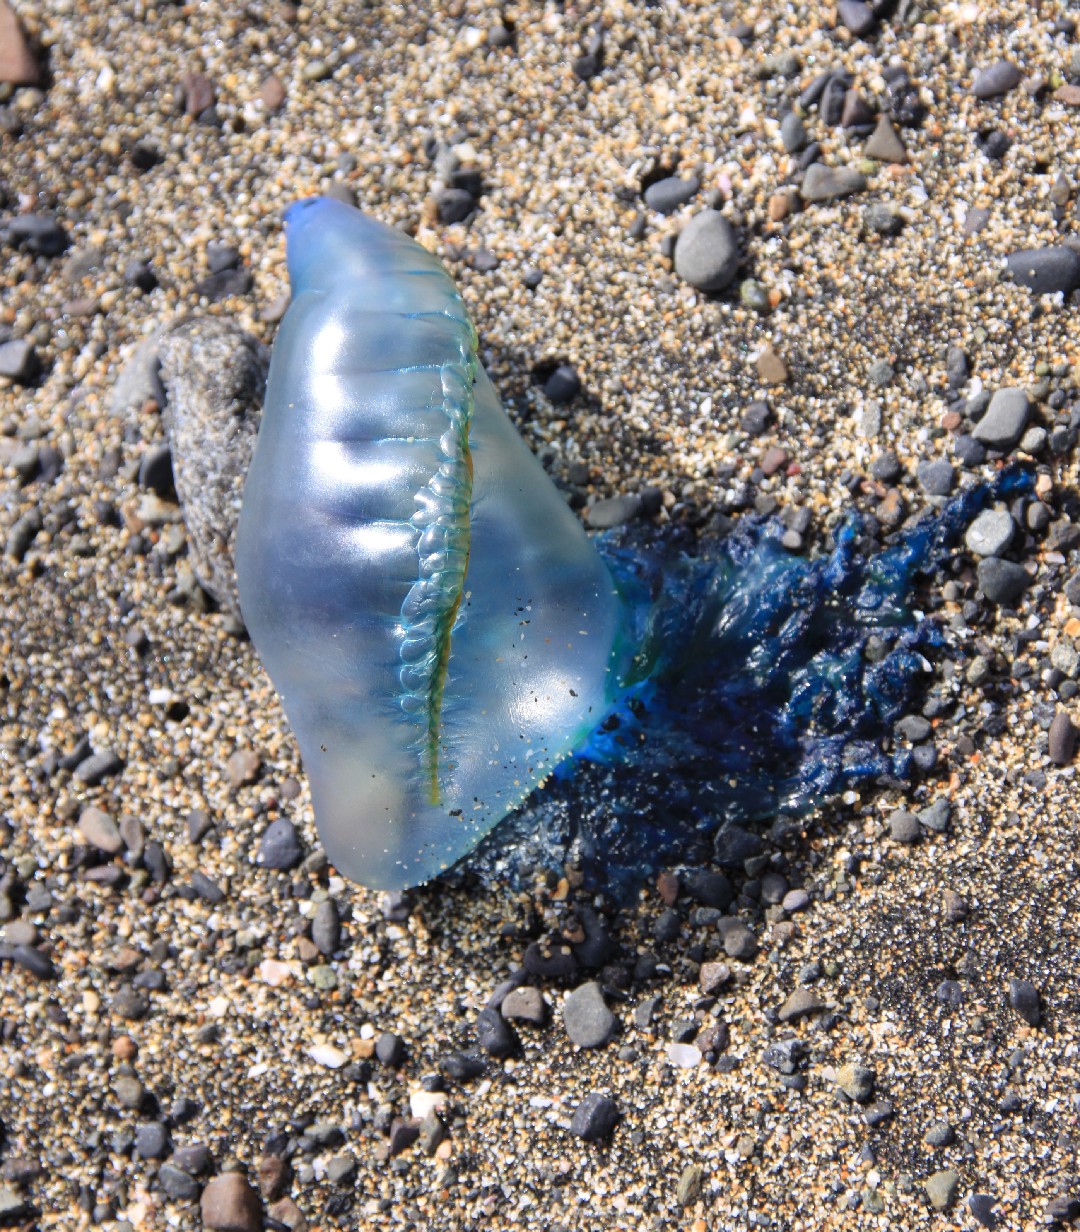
1069, 95
1062, 739
667, 886
124, 1048
779, 206
198, 93
17, 64
951, 420
891, 510
287, 1212
243, 767
229, 1204
713, 976
525, 1004
770, 367
272, 93
274, 1175
773, 459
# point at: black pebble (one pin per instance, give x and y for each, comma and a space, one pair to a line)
595, 1117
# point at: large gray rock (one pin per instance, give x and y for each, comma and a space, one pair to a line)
1045, 271
1005, 420
214, 375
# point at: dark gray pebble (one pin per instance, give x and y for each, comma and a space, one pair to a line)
563, 385
1002, 581
940, 1134
36, 961
1046, 270
96, 767
586, 1017
495, 1035
904, 827
996, 79
1004, 421
18, 360
880, 1112
613, 511
464, 1066
390, 1049
821, 183
981, 1207
39, 233
155, 470
1062, 739
755, 419
220, 257
326, 927
178, 1185
710, 889
209, 891
151, 1140
793, 132
936, 477
224, 284
595, 1117
950, 992
968, 451
914, 727
785, 1056
936, 816
707, 252
857, 16
665, 196
883, 218
130, 1004
280, 845
1024, 998
140, 274
454, 205
549, 962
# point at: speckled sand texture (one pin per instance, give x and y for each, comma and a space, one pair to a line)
174, 1008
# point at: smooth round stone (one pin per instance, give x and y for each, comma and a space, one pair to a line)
792, 132
821, 183
1002, 581
1005, 419
707, 252
1045, 271
991, 533
996, 79
666, 195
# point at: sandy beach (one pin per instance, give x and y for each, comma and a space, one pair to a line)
875, 1024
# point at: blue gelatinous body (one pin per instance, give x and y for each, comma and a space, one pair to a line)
439, 626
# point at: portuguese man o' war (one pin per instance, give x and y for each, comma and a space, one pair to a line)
444, 635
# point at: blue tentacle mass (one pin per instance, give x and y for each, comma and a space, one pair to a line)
444, 635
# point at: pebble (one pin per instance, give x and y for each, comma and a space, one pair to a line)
936, 816
1004, 420
563, 385
280, 846
19, 360
1062, 739
595, 1118
1002, 581
1055, 269
100, 831
525, 1004
936, 477
772, 370
151, 1139
1024, 998
613, 511
96, 767
213, 374
230, 1204
690, 1184
326, 927
821, 183
941, 1189
904, 827
792, 132
857, 16
996, 79
713, 976
666, 195
884, 143
390, 1049
36, 961
495, 1035
991, 533
800, 1004
785, 1056
179, 1186
857, 1082
18, 67
1063, 1209
37, 233
586, 1017
707, 252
